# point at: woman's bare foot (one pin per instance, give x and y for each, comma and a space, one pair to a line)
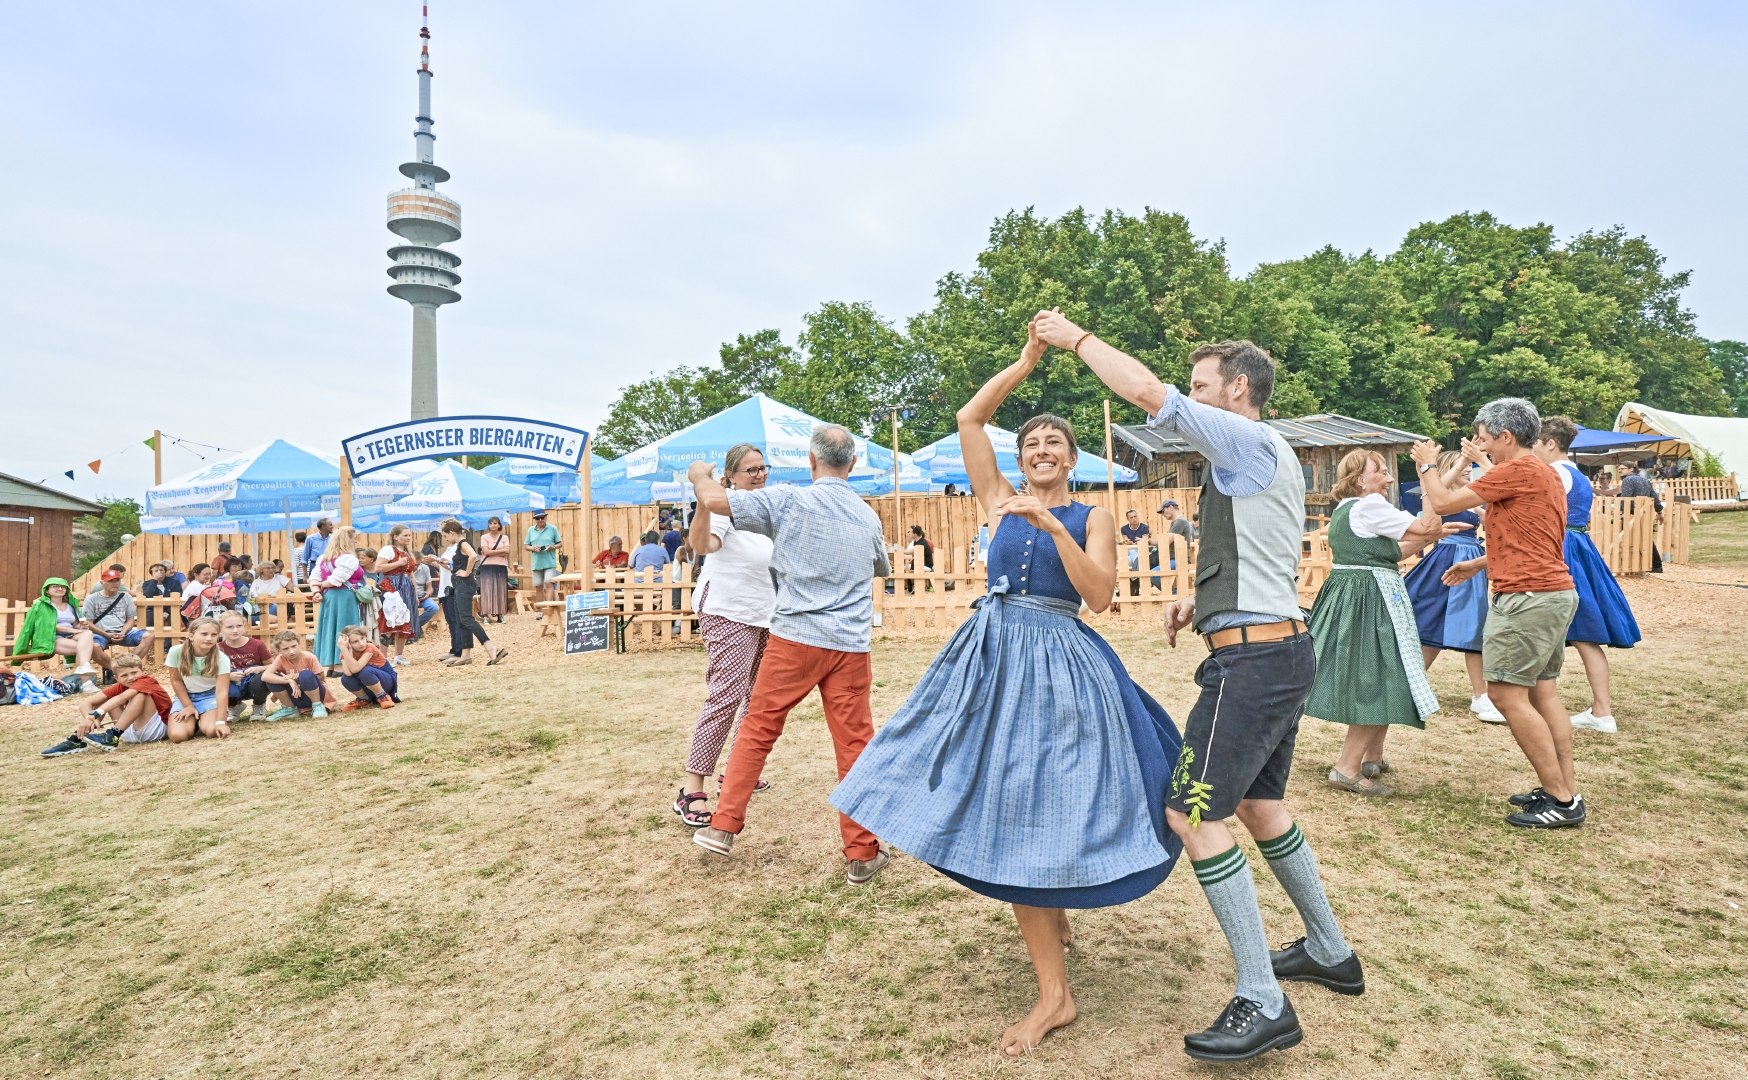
1064, 931
1045, 1017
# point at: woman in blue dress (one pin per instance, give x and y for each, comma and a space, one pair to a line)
1026, 764
1603, 617
1451, 615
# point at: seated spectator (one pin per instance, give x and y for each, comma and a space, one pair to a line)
110, 615
174, 580
295, 676
51, 627
221, 563
650, 554
249, 657
135, 710
615, 555
199, 678
155, 587
922, 555
270, 580
672, 539
366, 671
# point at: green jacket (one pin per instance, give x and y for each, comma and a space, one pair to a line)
37, 635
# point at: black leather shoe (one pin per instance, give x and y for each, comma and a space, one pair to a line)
1294, 963
1242, 1032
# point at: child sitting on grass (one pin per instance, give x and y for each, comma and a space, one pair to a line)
136, 710
249, 658
367, 671
200, 679
295, 678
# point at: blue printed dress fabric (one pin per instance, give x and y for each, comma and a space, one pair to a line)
1449, 617
1026, 764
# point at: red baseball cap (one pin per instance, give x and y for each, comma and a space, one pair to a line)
112, 575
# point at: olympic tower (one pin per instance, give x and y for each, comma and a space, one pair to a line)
424, 274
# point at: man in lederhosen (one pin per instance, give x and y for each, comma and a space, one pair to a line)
1238, 741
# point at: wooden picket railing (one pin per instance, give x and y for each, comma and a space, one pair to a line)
1675, 533
290, 611
1700, 489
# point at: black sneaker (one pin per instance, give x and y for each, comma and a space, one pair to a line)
1524, 798
1242, 1032
1295, 964
1545, 813
103, 740
72, 744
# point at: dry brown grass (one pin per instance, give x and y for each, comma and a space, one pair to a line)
488, 882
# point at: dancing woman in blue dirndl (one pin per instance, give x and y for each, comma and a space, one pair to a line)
1026, 764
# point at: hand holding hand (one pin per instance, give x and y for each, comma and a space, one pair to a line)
1475, 454
1054, 328
1459, 573
1178, 615
1425, 452
1453, 528
700, 470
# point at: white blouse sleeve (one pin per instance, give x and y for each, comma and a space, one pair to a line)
344, 567
1373, 516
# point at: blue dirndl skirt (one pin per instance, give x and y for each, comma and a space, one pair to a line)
338, 610
1026, 764
1448, 618
1604, 616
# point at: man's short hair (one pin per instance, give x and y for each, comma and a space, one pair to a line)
1512, 414
1242, 358
329, 522
833, 447
1559, 430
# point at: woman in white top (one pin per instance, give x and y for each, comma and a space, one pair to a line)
336, 577
735, 601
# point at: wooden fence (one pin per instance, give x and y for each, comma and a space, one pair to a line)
293, 611
1700, 489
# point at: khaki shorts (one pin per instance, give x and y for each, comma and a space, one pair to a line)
1525, 639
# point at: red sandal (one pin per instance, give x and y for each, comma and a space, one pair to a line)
693, 819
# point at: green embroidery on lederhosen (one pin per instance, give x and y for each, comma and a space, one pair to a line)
1196, 794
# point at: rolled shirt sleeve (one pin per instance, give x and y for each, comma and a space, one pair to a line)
1373, 516
1239, 449
760, 511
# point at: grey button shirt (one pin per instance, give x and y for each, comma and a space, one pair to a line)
829, 548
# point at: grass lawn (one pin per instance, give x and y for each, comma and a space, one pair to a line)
489, 882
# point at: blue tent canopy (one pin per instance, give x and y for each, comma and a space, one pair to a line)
450, 490
944, 461
551, 482
780, 432
276, 478
1596, 441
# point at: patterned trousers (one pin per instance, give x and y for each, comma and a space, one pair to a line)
733, 651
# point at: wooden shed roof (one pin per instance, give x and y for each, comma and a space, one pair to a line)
1303, 433
16, 492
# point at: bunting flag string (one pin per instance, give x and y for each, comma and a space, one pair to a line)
94, 466
192, 446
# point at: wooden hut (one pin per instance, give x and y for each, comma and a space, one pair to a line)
36, 535
1164, 459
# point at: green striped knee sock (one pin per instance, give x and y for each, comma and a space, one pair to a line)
1231, 892
1295, 867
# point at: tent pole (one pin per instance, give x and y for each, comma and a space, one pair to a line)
345, 488
157, 457
1110, 465
585, 541
895, 481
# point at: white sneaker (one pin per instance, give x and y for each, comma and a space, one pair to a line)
1589, 721
235, 713
1484, 708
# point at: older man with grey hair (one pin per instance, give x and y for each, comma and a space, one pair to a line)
828, 548
1524, 641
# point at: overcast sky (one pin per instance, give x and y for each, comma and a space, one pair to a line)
194, 192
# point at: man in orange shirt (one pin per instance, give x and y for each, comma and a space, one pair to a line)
1533, 598
614, 555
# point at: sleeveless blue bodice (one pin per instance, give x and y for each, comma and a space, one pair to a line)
1578, 500
1463, 517
1027, 556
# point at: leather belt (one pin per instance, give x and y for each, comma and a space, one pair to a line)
1253, 635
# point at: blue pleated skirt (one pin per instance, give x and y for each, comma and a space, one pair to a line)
1604, 616
1026, 764
338, 610
1448, 618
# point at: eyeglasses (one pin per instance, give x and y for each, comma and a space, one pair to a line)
755, 469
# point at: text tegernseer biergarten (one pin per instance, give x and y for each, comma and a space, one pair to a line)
447, 436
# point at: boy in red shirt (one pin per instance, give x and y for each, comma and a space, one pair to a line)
133, 710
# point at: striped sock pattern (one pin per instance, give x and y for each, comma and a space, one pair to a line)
1295, 867
1231, 890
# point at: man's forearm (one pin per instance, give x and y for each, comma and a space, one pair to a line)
1127, 377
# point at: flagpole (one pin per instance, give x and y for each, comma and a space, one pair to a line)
345, 488
895, 480
157, 457
585, 543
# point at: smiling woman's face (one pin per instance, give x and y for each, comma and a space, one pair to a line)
1046, 456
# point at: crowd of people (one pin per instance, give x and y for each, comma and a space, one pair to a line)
370, 604
1027, 765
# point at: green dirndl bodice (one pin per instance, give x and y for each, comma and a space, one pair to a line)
1369, 669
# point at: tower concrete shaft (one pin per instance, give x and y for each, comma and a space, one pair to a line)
423, 272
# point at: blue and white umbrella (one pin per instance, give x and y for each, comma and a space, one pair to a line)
450, 491
274, 479
552, 482
781, 433
944, 459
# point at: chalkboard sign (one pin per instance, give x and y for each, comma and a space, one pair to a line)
584, 632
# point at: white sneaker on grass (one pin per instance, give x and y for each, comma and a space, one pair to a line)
1589, 721
235, 713
1484, 708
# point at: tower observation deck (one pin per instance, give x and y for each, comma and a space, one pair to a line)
423, 272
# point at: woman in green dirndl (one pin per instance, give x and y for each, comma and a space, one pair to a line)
1369, 669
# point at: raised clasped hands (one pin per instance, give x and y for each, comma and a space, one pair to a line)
1425, 452
1474, 454
1054, 328
700, 470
